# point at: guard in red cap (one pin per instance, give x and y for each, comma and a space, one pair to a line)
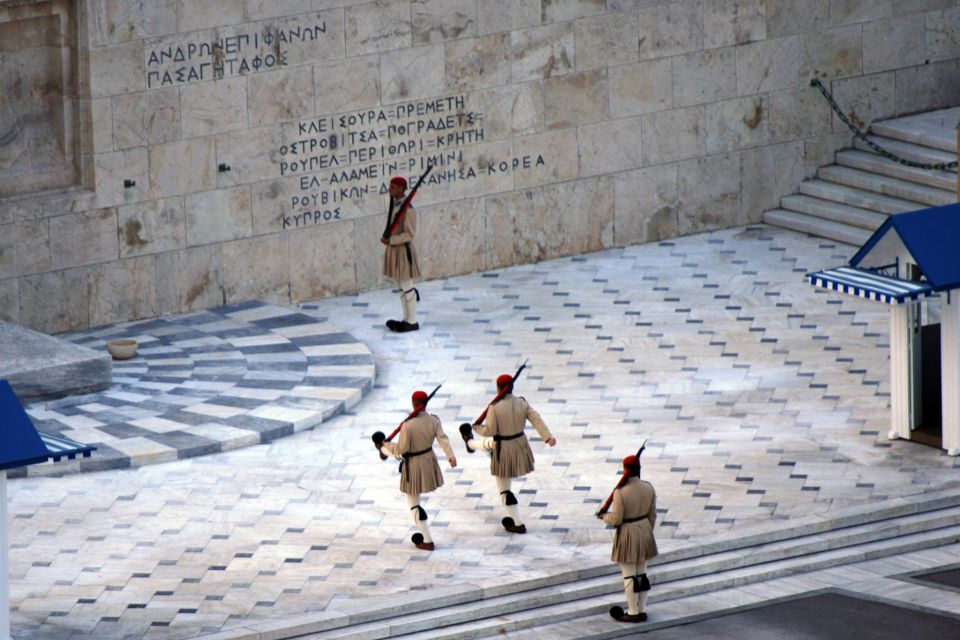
510, 453
419, 469
400, 258
633, 511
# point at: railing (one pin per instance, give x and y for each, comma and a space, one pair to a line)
858, 133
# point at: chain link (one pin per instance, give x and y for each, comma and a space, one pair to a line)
943, 166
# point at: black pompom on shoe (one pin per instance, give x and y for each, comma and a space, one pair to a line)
618, 614
417, 540
512, 528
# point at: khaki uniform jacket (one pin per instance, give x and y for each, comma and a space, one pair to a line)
506, 418
417, 435
398, 264
634, 541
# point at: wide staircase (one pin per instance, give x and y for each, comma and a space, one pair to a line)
687, 581
851, 198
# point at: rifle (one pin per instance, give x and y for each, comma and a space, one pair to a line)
499, 395
620, 483
392, 224
378, 437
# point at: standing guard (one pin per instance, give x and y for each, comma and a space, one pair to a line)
419, 469
632, 509
510, 453
399, 257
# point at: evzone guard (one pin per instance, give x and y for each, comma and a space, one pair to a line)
399, 257
632, 509
419, 469
501, 424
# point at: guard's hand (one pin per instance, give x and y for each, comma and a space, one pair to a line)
552, 442
453, 463
384, 240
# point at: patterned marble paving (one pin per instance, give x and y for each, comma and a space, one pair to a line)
208, 382
761, 398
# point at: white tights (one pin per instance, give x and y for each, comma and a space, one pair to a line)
408, 301
413, 501
503, 484
636, 601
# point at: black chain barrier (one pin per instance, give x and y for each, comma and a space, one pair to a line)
943, 166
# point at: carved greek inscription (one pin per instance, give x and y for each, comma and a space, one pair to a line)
173, 62
342, 159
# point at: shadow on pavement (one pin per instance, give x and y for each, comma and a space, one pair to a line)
826, 616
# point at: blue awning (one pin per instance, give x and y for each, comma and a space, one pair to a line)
59, 447
21, 444
869, 285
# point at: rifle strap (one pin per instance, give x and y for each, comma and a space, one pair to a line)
386, 229
400, 213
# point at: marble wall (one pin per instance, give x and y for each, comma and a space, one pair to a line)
189, 153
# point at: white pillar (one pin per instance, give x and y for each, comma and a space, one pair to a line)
4, 561
899, 373
950, 371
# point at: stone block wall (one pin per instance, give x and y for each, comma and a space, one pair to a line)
183, 154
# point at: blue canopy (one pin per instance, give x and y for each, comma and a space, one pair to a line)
21, 444
932, 236
869, 285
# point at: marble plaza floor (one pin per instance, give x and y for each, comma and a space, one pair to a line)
762, 400
208, 382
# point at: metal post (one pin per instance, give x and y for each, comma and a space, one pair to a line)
4, 561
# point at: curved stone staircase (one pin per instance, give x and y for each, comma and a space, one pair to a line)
851, 198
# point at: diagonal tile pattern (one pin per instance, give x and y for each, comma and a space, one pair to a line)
208, 382
762, 399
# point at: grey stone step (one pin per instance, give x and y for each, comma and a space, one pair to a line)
674, 579
863, 186
922, 131
675, 612
853, 216
588, 617
805, 223
350, 614
907, 150
878, 164
856, 197
923, 195
41, 366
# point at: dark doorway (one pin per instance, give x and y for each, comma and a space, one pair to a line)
930, 431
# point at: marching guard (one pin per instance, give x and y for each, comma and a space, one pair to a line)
632, 509
503, 437
419, 469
